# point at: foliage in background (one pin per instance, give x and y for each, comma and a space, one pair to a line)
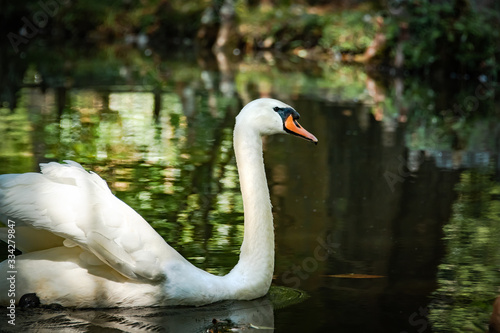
297, 26
103, 21
454, 36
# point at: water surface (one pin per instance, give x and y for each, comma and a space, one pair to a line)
389, 224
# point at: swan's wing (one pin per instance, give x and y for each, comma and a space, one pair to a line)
78, 206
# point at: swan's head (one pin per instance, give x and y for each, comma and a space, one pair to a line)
270, 116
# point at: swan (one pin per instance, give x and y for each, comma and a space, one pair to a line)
83, 247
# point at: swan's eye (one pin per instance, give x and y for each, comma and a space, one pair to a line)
276, 108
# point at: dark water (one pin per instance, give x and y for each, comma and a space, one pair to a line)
390, 224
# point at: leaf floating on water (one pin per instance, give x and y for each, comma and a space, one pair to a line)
355, 276
282, 297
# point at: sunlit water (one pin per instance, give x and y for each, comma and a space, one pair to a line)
388, 225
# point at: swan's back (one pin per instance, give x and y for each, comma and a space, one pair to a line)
64, 204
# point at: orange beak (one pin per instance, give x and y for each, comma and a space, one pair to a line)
293, 127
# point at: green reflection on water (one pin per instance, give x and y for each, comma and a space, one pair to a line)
468, 276
16, 145
328, 81
176, 171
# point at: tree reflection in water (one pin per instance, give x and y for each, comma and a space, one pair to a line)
468, 276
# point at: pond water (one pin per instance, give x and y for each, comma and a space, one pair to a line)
390, 224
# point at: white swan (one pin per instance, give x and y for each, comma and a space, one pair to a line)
83, 247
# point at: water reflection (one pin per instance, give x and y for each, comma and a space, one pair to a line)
468, 275
228, 316
377, 199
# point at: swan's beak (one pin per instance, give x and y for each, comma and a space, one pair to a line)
293, 127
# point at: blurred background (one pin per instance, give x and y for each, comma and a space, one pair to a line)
390, 224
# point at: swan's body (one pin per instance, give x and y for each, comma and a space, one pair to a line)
84, 247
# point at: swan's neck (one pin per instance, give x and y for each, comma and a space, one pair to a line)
256, 264
252, 276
